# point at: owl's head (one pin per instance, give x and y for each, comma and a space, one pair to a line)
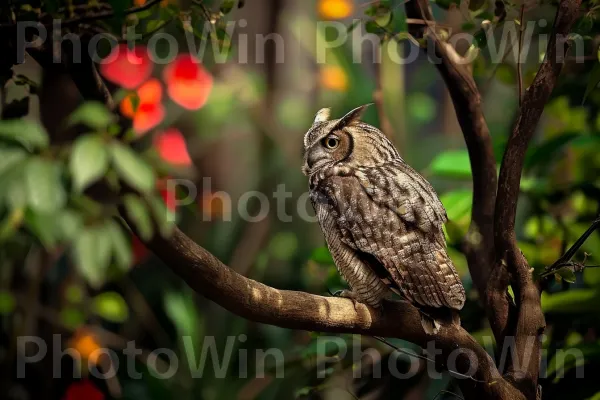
345, 142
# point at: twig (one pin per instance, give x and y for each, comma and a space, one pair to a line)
93, 17
420, 357
205, 11
441, 392
146, 35
565, 259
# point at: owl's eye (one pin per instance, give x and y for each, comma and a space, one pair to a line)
331, 142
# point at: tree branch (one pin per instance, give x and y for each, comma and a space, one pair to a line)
529, 319
479, 246
534, 101
252, 300
80, 19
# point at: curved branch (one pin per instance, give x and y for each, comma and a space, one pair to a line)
255, 301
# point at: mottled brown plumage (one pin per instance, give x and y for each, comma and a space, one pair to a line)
381, 219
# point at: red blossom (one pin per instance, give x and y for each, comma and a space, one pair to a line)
172, 148
83, 390
127, 68
188, 82
150, 111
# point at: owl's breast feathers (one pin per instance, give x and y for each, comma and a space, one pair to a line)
391, 214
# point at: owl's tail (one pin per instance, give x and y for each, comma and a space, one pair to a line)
433, 319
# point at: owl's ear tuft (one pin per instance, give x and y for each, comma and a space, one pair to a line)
322, 115
352, 117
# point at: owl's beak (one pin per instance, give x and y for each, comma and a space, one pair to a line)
312, 159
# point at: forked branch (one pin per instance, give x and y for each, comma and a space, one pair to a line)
528, 321
479, 245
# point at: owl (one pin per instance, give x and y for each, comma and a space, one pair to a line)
382, 220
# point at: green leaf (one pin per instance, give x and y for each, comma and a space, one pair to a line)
85, 259
165, 218
227, 6
14, 188
567, 274
10, 224
136, 210
453, 164
9, 157
457, 203
511, 293
7, 302
595, 397
372, 27
151, 27
92, 253
371, 11
30, 134
384, 16
578, 301
42, 225
321, 255
181, 310
121, 246
45, 191
111, 307
93, 114
592, 82
131, 168
89, 161
68, 225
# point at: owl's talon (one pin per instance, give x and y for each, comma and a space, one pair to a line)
345, 293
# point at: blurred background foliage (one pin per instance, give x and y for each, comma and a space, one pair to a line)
69, 267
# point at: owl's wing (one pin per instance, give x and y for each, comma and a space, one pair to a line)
406, 243
398, 187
